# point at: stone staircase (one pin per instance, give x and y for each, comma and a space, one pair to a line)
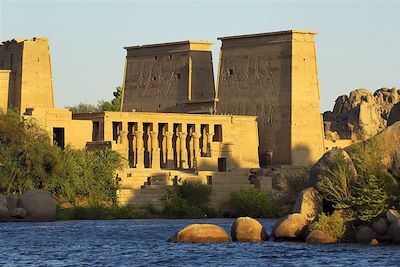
142, 188
146, 191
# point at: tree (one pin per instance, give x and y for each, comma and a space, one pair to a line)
102, 105
83, 108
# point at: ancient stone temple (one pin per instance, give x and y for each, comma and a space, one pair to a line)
170, 77
274, 76
25, 74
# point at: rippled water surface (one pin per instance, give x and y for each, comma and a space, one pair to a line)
143, 243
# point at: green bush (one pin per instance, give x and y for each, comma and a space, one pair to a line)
97, 213
369, 199
189, 200
336, 183
251, 202
370, 192
334, 224
196, 194
28, 160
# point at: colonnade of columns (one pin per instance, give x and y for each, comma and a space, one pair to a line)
167, 145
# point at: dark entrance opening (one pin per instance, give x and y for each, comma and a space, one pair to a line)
222, 164
59, 137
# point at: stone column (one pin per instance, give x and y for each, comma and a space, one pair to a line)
209, 141
196, 148
123, 137
134, 146
139, 149
170, 150
155, 151
184, 154
204, 140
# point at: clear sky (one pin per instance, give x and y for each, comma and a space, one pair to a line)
358, 45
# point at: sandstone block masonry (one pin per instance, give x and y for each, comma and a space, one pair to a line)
25, 74
171, 77
270, 75
274, 76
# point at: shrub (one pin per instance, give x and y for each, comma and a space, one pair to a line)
28, 160
369, 193
97, 213
189, 200
369, 199
334, 224
336, 183
251, 202
196, 194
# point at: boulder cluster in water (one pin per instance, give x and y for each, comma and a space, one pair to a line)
33, 205
243, 229
300, 225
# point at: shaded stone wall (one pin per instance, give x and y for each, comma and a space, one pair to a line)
172, 77
4, 83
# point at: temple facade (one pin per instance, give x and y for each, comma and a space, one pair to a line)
162, 149
25, 74
274, 76
169, 77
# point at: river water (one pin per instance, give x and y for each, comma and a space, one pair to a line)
143, 243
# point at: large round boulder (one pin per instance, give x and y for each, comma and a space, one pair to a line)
394, 232
392, 216
328, 162
319, 237
246, 229
387, 142
18, 213
201, 233
12, 202
308, 203
290, 227
365, 234
39, 205
4, 212
381, 226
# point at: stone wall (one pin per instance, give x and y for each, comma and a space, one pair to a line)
171, 77
4, 84
274, 76
30, 78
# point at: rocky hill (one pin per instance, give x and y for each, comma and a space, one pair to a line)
362, 114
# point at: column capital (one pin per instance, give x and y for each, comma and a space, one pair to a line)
182, 135
196, 135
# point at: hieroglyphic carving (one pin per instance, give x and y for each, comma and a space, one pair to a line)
149, 78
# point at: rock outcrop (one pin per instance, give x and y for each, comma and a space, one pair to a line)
394, 232
392, 216
365, 234
291, 226
201, 233
39, 205
362, 114
34, 205
381, 226
309, 203
328, 161
246, 229
319, 237
387, 144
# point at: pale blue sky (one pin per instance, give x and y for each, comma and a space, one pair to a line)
358, 43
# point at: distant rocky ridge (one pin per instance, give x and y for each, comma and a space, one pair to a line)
362, 114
